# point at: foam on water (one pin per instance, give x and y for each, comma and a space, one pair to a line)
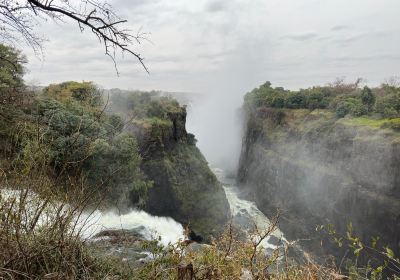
245, 210
166, 229
150, 227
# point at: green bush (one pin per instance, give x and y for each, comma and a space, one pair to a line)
118, 164
390, 112
344, 108
316, 99
342, 98
84, 92
278, 101
358, 109
388, 106
295, 100
368, 98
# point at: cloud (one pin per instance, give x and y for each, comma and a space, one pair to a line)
216, 6
216, 55
353, 37
302, 36
340, 28
369, 58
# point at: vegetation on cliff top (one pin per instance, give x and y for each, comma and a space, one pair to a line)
382, 102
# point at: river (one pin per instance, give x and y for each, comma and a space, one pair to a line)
244, 213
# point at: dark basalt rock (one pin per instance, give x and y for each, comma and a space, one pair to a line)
184, 186
330, 172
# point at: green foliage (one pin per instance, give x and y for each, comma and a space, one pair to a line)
389, 105
381, 260
115, 167
343, 108
316, 99
342, 98
11, 74
295, 100
368, 98
392, 123
66, 132
84, 92
70, 129
84, 142
141, 105
351, 106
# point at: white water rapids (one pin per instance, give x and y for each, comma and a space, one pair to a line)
149, 227
245, 213
167, 230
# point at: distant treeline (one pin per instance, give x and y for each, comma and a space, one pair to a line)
344, 99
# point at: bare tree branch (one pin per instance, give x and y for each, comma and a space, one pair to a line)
19, 18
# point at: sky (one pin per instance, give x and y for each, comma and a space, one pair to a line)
203, 45
222, 49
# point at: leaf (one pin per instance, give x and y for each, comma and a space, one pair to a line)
389, 252
338, 241
357, 251
350, 227
379, 269
374, 241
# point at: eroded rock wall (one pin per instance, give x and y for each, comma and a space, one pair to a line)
184, 186
320, 170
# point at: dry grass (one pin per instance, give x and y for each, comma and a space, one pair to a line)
41, 237
232, 257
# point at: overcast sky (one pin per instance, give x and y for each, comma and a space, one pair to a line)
200, 45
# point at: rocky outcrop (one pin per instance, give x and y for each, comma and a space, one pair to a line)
184, 186
320, 170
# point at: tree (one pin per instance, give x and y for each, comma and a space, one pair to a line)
11, 74
19, 18
84, 92
368, 98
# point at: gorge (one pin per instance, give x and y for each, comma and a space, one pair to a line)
126, 162
316, 168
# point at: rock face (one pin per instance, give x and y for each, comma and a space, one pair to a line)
184, 186
320, 170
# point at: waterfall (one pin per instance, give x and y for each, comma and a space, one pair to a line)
246, 214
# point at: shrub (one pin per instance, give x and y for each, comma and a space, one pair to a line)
114, 168
368, 98
389, 105
316, 99
341, 97
84, 92
380, 259
390, 112
344, 108
295, 100
359, 109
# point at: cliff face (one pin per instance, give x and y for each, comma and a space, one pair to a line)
184, 186
320, 170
